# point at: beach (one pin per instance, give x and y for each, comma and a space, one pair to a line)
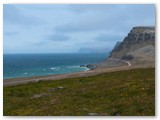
120, 67
79, 59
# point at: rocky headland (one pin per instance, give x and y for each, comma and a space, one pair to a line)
138, 48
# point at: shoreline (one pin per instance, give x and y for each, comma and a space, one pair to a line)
23, 77
25, 80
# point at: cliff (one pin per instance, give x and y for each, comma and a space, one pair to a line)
117, 44
139, 44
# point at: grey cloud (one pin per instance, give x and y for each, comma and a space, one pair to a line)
120, 19
13, 14
83, 8
39, 44
58, 37
10, 33
97, 44
84, 23
109, 37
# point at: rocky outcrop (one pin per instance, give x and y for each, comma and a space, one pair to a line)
138, 44
117, 44
89, 66
137, 48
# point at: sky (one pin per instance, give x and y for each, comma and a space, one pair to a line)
70, 28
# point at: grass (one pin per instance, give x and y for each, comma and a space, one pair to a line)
128, 93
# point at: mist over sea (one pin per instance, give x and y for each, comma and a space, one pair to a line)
26, 65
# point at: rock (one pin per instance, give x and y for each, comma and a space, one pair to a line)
138, 37
128, 57
91, 67
93, 114
53, 89
82, 65
39, 95
53, 101
116, 114
59, 87
117, 44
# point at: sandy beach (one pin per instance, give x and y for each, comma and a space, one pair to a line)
126, 66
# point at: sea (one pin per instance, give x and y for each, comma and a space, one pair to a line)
27, 65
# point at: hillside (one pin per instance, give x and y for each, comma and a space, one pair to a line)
138, 45
137, 48
124, 93
122, 85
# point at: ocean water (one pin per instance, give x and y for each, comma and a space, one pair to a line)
25, 65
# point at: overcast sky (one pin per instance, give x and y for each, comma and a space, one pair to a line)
61, 28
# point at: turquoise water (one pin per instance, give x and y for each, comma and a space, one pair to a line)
25, 65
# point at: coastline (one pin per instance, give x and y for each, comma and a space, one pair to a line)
23, 77
50, 64
25, 80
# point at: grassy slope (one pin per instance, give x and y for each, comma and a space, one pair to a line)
129, 92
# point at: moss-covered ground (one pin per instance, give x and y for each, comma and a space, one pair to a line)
126, 93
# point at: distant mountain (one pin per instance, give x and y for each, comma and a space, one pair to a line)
139, 44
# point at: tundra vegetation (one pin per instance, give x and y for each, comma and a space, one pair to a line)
125, 93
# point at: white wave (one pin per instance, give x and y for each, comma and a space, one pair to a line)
55, 68
52, 68
25, 73
73, 66
86, 69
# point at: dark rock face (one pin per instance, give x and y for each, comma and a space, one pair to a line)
137, 38
90, 66
127, 57
117, 44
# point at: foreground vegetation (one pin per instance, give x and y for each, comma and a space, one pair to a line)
129, 93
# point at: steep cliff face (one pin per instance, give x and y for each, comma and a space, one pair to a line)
116, 45
139, 43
